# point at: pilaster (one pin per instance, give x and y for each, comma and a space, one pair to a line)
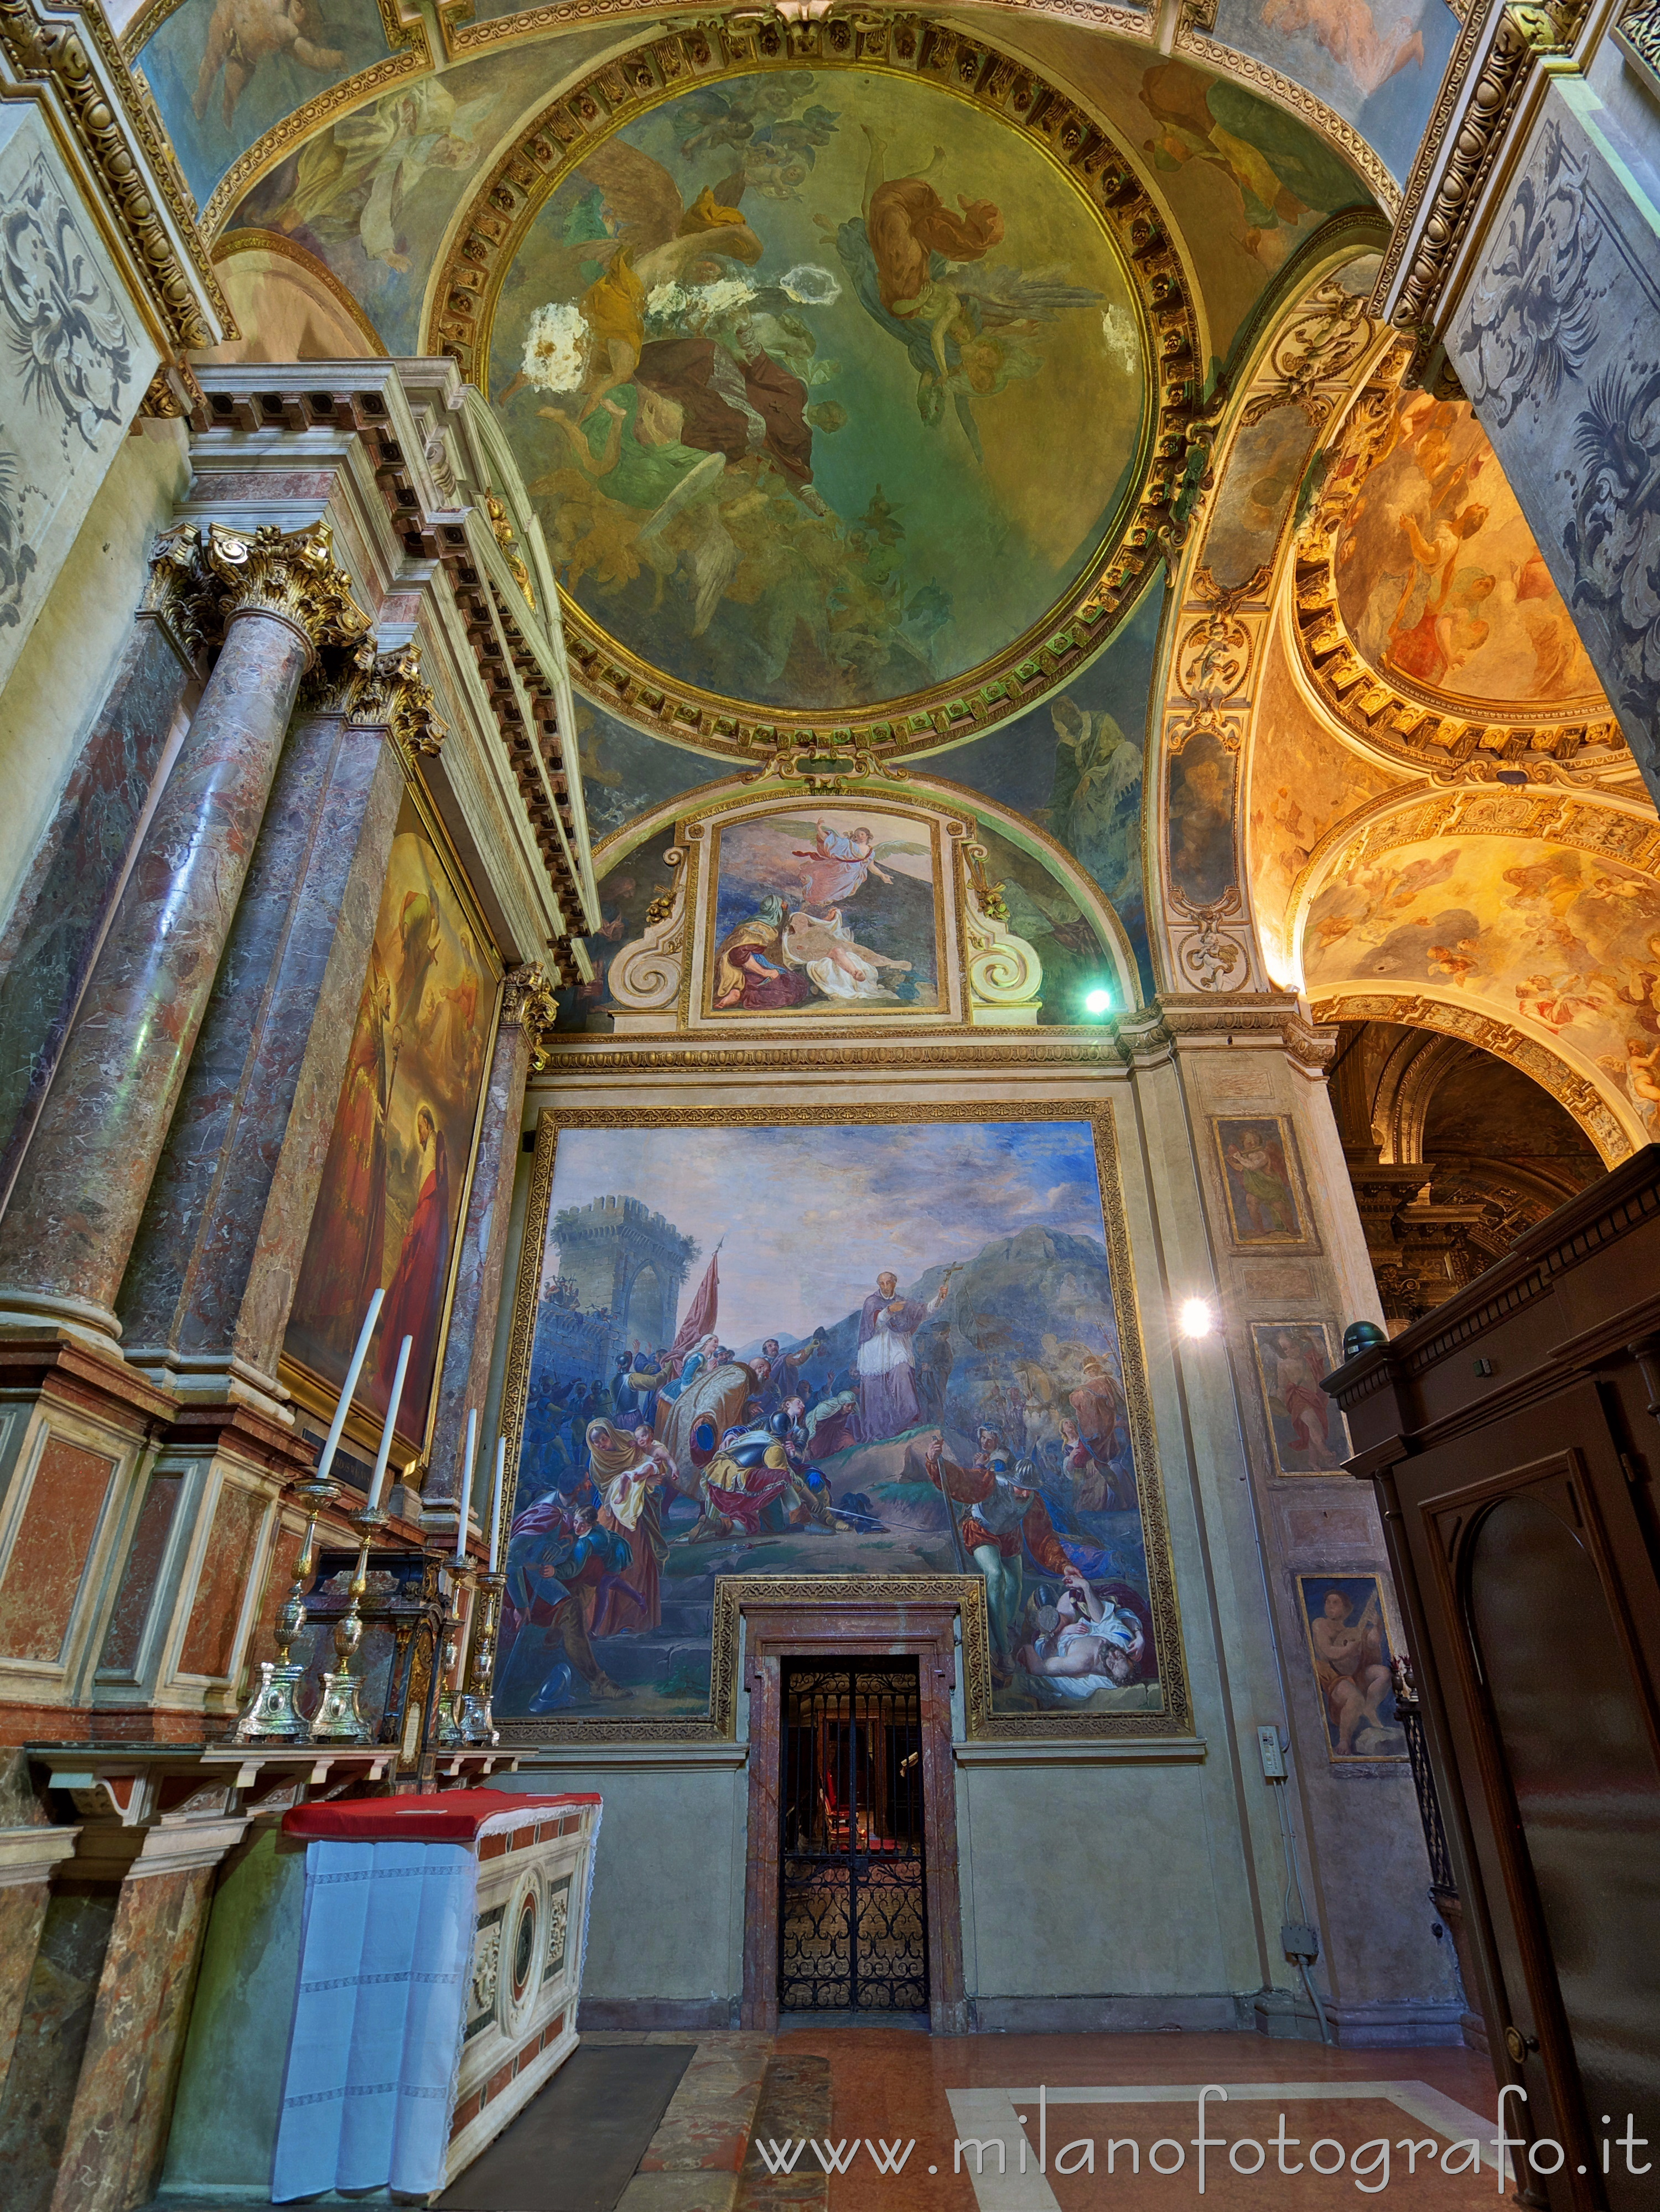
527, 1008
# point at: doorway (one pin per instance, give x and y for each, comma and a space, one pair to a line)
852, 1899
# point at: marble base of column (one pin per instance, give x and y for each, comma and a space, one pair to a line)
80, 1192
206, 1300
467, 1351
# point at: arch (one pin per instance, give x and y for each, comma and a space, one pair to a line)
955, 798
1607, 1119
288, 305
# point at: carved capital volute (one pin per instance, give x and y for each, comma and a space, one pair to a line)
182, 595
395, 692
528, 1003
289, 574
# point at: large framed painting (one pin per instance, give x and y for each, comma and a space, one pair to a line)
400, 1155
865, 1343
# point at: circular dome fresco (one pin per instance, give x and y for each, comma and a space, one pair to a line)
832, 384
1440, 586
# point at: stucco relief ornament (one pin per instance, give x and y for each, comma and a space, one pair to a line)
1533, 317
66, 335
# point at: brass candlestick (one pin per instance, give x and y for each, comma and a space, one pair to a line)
446, 1730
478, 1724
272, 1716
339, 1719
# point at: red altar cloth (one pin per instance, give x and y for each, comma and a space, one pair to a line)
453, 1816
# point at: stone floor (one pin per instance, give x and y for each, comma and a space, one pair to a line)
744, 2128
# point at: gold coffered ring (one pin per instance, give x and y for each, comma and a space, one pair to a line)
485, 240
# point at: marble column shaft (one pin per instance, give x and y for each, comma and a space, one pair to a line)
465, 1378
65, 1239
212, 1275
118, 2123
72, 883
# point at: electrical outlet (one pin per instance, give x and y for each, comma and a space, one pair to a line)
1274, 1760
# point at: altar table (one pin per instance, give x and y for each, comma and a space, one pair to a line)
440, 1963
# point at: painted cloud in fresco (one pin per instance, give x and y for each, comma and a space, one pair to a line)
1378, 65
1073, 765
1565, 942
224, 71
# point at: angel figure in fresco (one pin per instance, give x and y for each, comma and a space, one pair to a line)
907, 258
588, 340
242, 34
352, 181
839, 862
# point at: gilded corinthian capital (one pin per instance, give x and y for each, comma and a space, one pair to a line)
181, 595
528, 1003
288, 573
395, 692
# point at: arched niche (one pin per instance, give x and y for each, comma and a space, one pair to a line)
1000, 892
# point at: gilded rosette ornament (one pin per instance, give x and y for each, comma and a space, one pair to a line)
290, 575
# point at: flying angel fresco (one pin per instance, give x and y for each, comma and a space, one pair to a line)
626, 241
920, 272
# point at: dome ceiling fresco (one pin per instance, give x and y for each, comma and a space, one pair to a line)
1440, 584
829, 387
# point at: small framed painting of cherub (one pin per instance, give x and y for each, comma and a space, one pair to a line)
1349, 1644
1307, 1433
1262, 1179
837, 912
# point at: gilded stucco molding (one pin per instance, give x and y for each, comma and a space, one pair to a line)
529, 1003
1637, 35
396, 695
1494, 61
1284, 91
279, 142
507, 200
1404, 724
69, 59
1587, 1103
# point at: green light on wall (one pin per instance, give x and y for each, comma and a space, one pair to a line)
1098, 1001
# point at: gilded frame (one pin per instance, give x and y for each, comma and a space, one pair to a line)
1174, 1716
946, 836
310, 1391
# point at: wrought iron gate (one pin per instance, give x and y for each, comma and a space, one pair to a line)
851, 1924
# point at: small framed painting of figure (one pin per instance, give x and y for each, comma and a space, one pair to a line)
1349, 1644
1307, 1434
1262, 1179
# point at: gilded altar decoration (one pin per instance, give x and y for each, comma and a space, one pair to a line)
944, 1380
400, 1159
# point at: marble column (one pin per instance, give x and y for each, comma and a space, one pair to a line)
65, 1239
527, 1007
208, 1290
77, 874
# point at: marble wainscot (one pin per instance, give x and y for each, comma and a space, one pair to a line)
490, 1889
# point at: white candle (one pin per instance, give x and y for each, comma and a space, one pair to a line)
496, 1501
385, 1453
465, 1498
350, 1384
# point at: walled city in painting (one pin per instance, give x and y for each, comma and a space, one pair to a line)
864, 1349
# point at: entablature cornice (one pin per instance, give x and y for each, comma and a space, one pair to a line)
106, 126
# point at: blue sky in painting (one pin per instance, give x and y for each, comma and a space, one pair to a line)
811, 1216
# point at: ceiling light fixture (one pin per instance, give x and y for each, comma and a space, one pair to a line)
1197, 1319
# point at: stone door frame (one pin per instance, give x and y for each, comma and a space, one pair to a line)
809, 1624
